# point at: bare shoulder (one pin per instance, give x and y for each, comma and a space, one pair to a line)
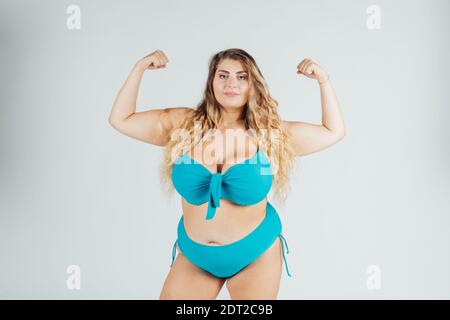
284, 124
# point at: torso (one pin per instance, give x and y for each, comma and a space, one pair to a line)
231, 221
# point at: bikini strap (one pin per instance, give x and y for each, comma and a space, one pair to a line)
287, 249
174, 251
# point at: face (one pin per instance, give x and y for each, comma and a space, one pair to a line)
230, 77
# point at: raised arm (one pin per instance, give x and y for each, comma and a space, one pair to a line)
151, 126
309, 137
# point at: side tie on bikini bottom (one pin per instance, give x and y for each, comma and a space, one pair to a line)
287, 250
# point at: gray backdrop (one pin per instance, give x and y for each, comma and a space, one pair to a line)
367, 218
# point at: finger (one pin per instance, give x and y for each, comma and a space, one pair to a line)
300, 65
163, 58
155, 62
159, 58
303, 66
166, 60
309, 68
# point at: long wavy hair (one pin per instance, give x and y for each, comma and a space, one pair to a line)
260, 116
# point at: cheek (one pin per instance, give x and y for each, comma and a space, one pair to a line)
217, 84
216, 87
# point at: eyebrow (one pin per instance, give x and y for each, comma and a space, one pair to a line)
228, 72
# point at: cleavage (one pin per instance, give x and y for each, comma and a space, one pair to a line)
206, 158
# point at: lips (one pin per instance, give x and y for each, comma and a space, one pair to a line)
231, 93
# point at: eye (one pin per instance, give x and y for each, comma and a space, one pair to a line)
240, 77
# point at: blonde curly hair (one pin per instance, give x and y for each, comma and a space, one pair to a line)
260, 117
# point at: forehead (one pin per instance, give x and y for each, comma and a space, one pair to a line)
230, 65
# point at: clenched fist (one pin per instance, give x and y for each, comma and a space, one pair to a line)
312, 70
155, 60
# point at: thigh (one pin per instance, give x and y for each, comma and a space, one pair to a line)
187, 281
261, 278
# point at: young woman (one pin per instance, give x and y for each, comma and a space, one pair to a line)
228, 231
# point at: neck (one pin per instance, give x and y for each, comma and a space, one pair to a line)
231, 118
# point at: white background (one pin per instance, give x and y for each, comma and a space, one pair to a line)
73, 191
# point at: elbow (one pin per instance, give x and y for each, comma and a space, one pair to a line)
112, 122
341, 133
338, 134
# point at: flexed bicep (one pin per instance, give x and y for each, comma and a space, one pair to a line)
152, 126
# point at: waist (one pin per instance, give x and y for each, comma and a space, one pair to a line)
230, 223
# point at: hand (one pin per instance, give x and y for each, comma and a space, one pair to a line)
155, 60
312, 70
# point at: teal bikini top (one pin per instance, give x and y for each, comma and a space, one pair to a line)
244, 183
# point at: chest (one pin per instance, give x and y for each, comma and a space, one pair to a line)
222, 151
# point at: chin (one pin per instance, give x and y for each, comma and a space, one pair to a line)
227, 104
233, 106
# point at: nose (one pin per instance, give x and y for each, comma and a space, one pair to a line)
231, 82
231, 85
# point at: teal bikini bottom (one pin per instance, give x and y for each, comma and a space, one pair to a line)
227, 260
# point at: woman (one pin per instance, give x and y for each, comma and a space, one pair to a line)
228, 231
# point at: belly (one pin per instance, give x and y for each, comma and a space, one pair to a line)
231, 222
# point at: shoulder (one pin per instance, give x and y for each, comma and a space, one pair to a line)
287, 125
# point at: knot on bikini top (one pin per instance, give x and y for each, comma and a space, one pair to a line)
215, 188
